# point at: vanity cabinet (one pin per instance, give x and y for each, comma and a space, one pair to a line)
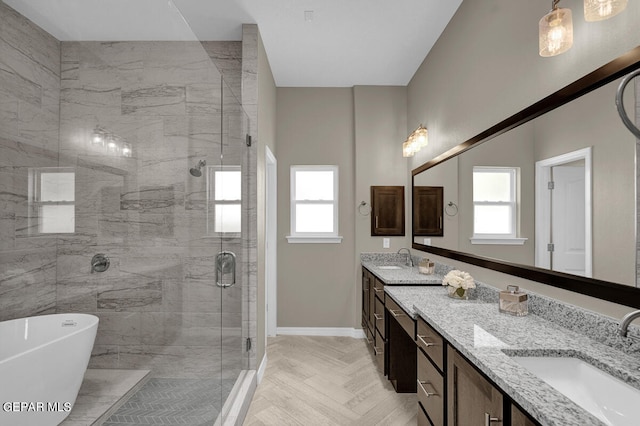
471, 399
452, 392
431, 378
373, 319
387, 211
401, 346
518, 418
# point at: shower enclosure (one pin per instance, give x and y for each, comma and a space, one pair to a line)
125, 177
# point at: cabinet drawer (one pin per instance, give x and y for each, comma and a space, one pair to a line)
405, 321
378, 351
431, 390
379, 317
378, 289
431, 343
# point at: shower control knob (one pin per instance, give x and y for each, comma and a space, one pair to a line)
99, 263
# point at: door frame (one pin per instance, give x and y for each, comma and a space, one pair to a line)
271, 247
543, 206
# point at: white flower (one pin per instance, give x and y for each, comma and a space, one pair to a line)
458, 279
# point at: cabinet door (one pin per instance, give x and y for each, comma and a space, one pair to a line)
518, 418
387, 210
472, 399
366, 294
428, 210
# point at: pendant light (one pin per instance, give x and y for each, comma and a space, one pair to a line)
598, 10
555, 31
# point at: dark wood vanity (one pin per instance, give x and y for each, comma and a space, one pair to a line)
416, 358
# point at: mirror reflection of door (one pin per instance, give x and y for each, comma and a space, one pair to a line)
567, 219
563, 222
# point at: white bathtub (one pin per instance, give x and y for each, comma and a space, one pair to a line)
42, 363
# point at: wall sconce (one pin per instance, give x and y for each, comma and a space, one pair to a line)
555, 31
110, 143
556, 27
418, 139
598, 10
97, 137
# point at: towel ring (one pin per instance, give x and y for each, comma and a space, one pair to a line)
367, 206
451, 207
619, 104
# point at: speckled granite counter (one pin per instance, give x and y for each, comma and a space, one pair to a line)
487, 338
406, 275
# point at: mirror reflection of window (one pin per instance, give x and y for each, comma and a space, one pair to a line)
52, 200
494, 202
225, 199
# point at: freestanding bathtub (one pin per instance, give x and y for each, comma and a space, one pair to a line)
42, 362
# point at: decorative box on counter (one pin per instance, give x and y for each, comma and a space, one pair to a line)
426, 266
513, 302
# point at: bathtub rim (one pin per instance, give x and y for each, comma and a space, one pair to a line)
94, 321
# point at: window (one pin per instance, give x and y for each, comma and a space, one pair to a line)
52, 200
495, 209
225, 200
314, 204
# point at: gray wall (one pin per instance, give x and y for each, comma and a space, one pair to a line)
361, 130
485, 67
267, 137
315, 281
29, 112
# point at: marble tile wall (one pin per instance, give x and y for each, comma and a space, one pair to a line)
29, 111
158, 305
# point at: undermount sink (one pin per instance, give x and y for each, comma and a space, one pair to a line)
389, 267
609, 399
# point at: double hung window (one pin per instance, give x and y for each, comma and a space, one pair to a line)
314, 204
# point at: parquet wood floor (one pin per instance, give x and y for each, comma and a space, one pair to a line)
312, 380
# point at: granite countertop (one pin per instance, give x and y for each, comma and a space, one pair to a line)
406, 275
487, 338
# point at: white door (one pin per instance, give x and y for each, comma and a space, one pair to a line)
568, 219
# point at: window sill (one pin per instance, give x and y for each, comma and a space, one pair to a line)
333, 239
499, 241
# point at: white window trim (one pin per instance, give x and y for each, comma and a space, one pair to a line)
212, 202
501, 239
308, 237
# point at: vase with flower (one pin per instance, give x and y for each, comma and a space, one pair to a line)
459, 284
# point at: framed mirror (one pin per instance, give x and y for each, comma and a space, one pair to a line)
549, 194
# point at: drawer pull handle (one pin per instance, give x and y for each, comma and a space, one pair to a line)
395, 314
488, 419
424, 342
378, 317
378, 290
428, 394
377, 351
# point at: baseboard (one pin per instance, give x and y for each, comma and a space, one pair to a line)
356, 333
261, 368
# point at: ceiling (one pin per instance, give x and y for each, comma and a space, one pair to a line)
342, 43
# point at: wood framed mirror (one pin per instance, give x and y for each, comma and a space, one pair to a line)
564, 115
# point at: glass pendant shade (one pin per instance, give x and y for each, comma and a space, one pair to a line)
597, 10
407, 149
421, 137
555, 32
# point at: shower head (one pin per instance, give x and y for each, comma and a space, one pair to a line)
196, 171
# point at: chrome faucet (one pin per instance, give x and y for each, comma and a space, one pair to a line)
626, 320
409, 259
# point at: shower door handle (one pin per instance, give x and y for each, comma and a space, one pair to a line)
225, 264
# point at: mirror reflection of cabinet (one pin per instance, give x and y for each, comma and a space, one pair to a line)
427, 211
387, 211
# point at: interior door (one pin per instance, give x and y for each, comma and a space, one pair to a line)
568, 219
